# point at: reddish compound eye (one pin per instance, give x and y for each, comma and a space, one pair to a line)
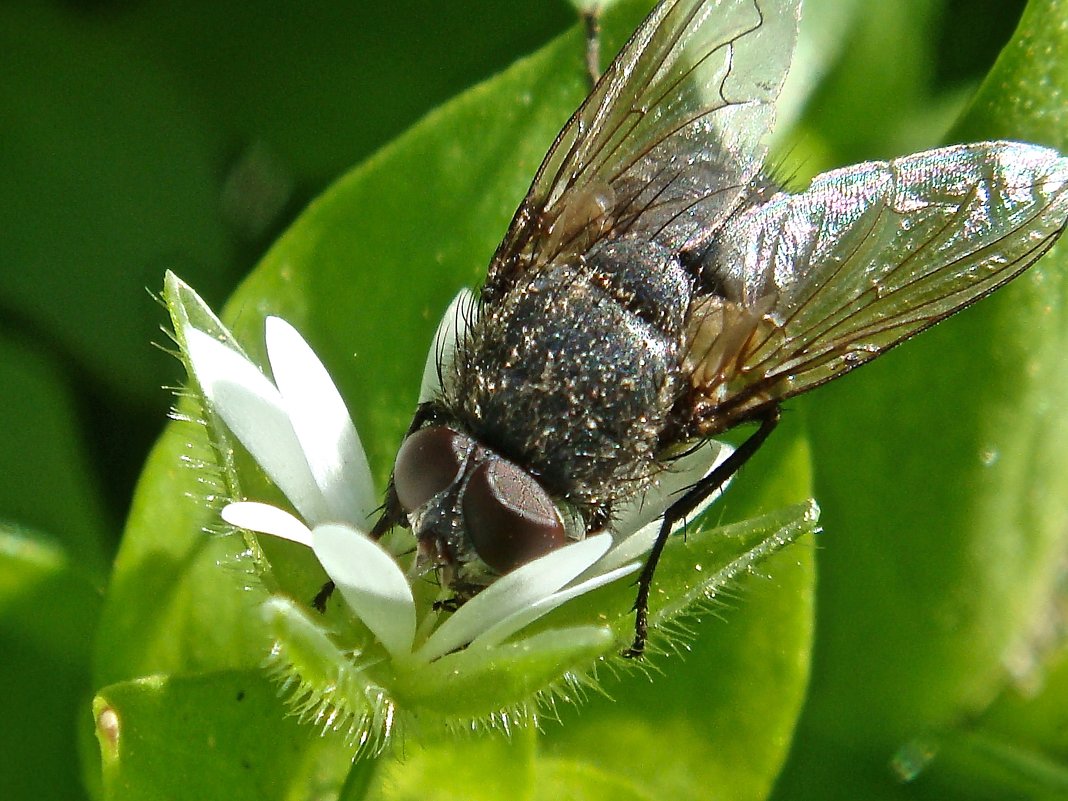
427, 463
509, 517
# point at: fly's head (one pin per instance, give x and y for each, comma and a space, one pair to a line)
475, 514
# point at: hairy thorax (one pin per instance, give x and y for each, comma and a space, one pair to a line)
574, 372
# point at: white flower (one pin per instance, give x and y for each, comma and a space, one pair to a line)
299, 431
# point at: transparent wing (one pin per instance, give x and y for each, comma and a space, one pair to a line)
814, 284
667, 140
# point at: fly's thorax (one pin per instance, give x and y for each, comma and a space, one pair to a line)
573, 372
475, 514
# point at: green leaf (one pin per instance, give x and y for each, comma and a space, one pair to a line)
1020, 98
320, 681
941, 474
47, 483
181, 599
1018, 747
885, 65
217, 735
1035, 716
477, 683
48, 608
464, 769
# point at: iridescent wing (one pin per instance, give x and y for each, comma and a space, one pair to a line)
667, 141
811, 285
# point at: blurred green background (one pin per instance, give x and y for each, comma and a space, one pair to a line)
137, 137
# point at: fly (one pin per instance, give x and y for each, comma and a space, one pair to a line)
657, 288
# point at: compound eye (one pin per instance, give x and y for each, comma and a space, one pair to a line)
427, 463
509, 517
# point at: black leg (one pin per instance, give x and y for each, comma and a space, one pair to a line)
392, 514
592, 19
682, 507
321, 597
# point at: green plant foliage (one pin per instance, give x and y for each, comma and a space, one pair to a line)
48, 483
49, 603
139, 138
368, 268
224, 735
942, 474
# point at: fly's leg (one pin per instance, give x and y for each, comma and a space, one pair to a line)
591, 18
321, 597
392, 515
678, 511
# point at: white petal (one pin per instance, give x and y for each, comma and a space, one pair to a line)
633, 547
638, 523
371, 583
322, 424
452, 329
253, 410
680, 475
519, 589
502, 630
267, 519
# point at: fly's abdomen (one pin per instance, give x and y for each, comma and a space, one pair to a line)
592, 351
